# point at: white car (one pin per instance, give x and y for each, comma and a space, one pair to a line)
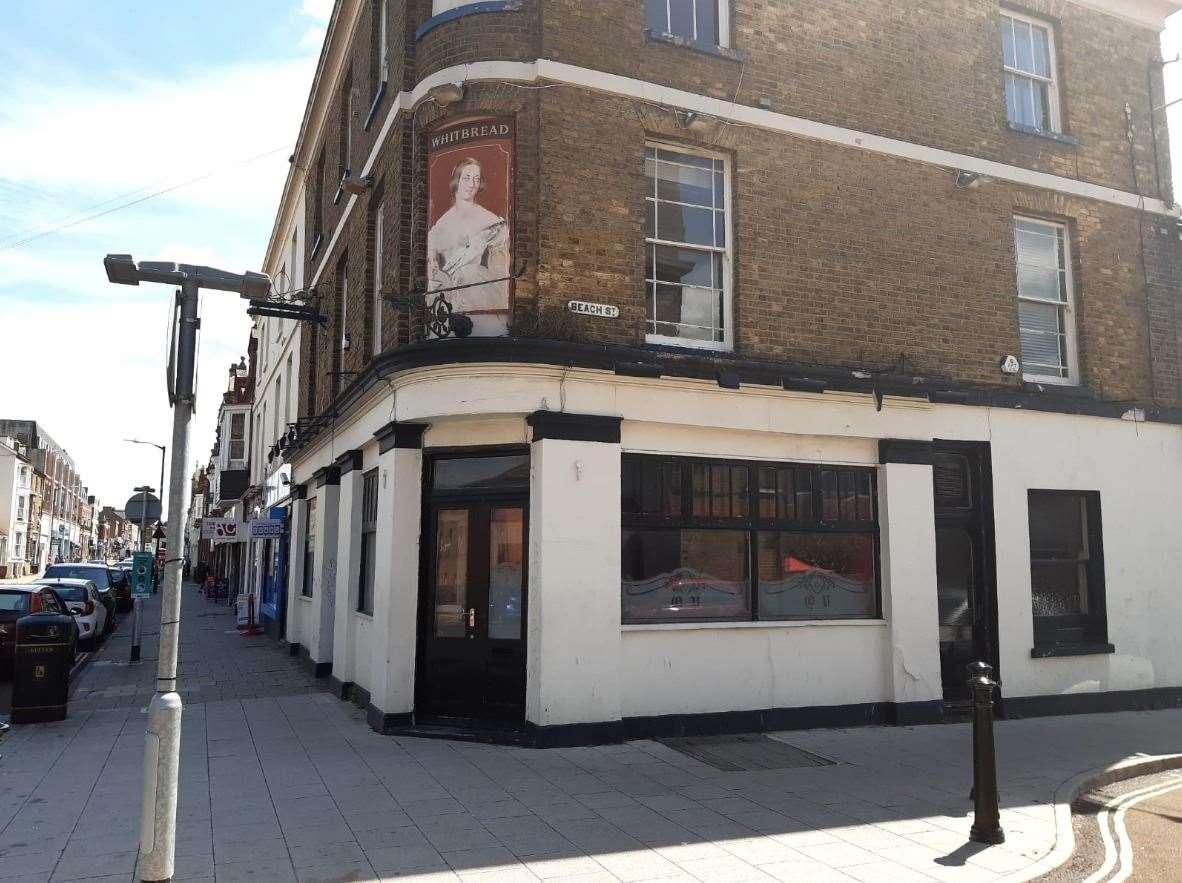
81, 597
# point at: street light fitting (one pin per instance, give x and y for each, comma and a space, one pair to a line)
123, 270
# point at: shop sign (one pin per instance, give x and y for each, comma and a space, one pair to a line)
265, 528
222, 530
601, 311
469, 218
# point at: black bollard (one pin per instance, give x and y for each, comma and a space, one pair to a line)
986, 817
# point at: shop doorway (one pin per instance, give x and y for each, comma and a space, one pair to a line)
473, 591
966, 583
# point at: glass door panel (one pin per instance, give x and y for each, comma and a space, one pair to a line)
506, 560
451, 574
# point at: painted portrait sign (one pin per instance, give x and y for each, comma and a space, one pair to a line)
469, 217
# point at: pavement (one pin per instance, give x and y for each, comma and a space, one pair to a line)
281, 781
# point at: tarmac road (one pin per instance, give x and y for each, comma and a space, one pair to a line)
1129, 830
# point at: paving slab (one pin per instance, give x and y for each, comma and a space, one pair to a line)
280, 781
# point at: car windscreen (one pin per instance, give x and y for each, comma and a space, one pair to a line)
14, 602
70, 593
97, 575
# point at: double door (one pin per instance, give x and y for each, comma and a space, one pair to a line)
965, 578
472, 665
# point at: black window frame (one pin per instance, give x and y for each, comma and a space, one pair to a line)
1056, 634
369, 536
306, 584
753, 522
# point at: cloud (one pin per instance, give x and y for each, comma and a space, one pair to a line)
156, 134
321, 10
313, 39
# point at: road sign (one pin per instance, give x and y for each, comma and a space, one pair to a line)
141, 574
143, 507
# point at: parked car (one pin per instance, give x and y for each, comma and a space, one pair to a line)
105, 579
21, 599
81, 597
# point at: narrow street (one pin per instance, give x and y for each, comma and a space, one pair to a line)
280, 781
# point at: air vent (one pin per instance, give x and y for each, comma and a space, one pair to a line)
953, 488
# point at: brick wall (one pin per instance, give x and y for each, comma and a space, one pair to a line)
842, 257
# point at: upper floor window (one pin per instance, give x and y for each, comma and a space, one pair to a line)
381, 62
687, 247
344, 161
318, 203
704, 22
1032, 93
238, 436
24, 476
377, 278
1046, 314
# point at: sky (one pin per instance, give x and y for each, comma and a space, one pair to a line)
105, 103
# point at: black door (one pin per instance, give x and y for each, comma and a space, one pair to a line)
472, 660
965, 579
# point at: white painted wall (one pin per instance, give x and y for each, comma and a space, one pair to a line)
1137, 468
690, 670
348, 555
573, 670
396, 591
662, 670
908, 564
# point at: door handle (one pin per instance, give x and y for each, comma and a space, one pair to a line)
471, 617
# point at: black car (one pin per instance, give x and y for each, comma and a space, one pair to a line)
107, 579
18, 600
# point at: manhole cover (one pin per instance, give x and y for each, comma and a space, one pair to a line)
745, 753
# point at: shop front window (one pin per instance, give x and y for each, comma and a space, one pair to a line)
718, 541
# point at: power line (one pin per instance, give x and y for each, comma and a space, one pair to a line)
91, 217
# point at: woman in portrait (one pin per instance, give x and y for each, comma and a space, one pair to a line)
469, 244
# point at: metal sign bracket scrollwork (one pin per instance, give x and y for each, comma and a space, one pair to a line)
442, 318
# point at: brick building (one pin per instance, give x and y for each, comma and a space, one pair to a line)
716, 363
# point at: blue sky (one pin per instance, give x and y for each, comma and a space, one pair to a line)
104, 102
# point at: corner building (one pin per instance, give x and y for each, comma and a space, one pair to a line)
704, 365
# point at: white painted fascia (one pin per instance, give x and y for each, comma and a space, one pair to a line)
1147, 13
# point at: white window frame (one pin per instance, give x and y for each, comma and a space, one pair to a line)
728, 342
378, 232
344, 310
230, 458
1052, 81
383, 43
1067, 306
724, 21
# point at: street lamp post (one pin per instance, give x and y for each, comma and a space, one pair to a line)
162, 741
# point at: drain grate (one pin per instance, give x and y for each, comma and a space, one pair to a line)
745, 753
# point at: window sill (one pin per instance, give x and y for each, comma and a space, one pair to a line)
373, 108
362, 615
340, 188
1065, 386
1057, 137
704, 48
778, 624
1082, 649
682, 344
307, 598
316, 243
